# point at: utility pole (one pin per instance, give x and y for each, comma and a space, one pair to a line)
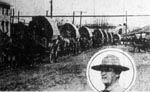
81, 12
46, 12
13, 12
51, 8
18, 16
80, 18
126, 22
73, 17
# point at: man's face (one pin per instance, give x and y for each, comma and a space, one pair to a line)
109, 76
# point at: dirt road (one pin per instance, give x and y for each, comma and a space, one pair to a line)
69, 74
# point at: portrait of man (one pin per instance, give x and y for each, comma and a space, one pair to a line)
110, 70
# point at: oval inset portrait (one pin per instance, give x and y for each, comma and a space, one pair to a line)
111, 70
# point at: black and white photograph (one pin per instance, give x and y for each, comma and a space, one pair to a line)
111, 70
75, 45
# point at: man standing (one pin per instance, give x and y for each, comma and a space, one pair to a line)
110, 73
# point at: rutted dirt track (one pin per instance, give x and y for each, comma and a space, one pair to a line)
69, 74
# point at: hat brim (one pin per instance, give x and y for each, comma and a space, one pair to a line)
116, 67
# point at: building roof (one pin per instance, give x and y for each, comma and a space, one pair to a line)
4, 4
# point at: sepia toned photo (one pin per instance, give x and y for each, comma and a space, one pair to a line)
52, 45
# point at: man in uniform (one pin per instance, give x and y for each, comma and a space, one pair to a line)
110, 73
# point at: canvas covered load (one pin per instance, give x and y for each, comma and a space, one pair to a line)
44, 27
69, 30
85, 32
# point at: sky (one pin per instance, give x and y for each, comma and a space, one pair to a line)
90, 7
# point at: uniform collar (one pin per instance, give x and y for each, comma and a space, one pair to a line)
115, 87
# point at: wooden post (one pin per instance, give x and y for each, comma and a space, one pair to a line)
73, 17
51, 8
18, 16
126, 22
80, 18
47, 13
13, 16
